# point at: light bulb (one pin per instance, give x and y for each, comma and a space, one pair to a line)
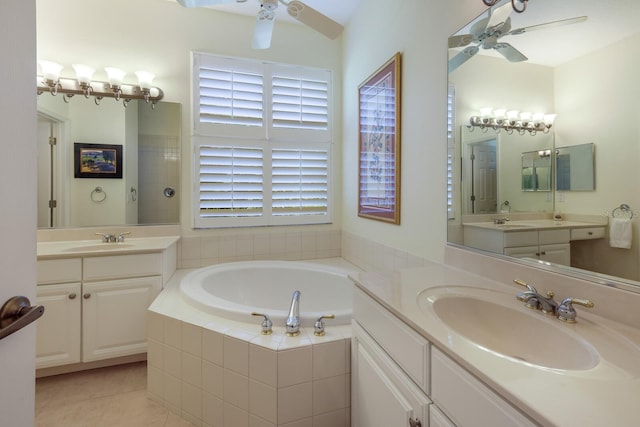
144, 79
486, 111
83, 73
115, 76
50, 70
549, 119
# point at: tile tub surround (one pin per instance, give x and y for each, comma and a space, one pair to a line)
216, 372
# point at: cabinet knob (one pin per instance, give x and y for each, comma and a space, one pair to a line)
72, 296
86, 296
414, 423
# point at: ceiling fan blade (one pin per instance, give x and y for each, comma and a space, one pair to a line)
510, 52
314, 19
548, 25
263, 29
202, 3
462, 57
499, 15
459, 41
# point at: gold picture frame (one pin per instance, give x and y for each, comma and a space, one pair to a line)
379, 99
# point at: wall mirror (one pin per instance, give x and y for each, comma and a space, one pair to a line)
491, 171
575, 168
146, 194
536, 170
591, 65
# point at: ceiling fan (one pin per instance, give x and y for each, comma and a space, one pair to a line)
266, 17
487, 32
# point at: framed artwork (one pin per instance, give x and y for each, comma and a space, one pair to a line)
379, 144
97, 160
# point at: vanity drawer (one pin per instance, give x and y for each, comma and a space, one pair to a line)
59, 271
554, 236
409, 349
119, 266
520, 238
466, 400
587, 233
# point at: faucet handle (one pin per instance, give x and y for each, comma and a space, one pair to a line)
525, 284
120, 237
318, 326
266, 323
567, 313
106, 237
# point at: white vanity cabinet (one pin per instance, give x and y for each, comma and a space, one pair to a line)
95, 306
548, 245
114, 311
58, 332
400, 379
382, 392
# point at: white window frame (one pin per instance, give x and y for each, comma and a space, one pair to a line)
265, 136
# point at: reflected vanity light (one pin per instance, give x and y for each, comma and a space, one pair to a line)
50, 81
511, 120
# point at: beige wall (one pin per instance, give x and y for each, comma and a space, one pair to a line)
597, 98
419, 30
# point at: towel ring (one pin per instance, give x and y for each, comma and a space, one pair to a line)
98, 195
625, 209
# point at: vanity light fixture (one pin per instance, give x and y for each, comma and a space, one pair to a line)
50, 81
518, 9
511, 120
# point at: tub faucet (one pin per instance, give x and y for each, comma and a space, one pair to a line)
293, 321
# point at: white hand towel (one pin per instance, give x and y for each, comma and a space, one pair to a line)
620, 233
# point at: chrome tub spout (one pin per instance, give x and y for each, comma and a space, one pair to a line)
293, 321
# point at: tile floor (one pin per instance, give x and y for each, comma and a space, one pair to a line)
115, 397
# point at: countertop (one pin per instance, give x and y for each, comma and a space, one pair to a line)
534, 224
605, 395
83, 248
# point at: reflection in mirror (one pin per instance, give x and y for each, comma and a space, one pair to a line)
536, 170
575, 168
151, 163
592, 63
491, 170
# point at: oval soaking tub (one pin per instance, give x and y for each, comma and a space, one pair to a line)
237, 289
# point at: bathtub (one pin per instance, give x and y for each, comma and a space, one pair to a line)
237, 289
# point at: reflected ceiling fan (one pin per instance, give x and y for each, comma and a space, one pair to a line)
266, 17
487, 32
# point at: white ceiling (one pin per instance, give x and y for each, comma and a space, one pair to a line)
608, 21
338, 10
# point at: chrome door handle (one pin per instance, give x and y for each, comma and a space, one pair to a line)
17, 313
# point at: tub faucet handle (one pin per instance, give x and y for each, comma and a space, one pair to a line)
318, 326
266, 324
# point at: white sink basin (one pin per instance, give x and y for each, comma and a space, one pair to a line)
100, 247
497, 322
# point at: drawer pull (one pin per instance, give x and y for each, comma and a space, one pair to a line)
72, 296
414, 423
86, 296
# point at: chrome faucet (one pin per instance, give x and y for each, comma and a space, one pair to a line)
293, 321
534, 300
112, 238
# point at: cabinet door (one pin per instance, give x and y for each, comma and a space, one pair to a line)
438, 419
558, 254
382, 394
523, 252
58, 331
114, 316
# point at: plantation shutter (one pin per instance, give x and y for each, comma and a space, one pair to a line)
300, 182
262, 143
451, 145
231, 182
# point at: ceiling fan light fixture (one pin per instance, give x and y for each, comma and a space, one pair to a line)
518, 9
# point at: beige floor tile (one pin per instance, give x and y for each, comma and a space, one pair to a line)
107, 397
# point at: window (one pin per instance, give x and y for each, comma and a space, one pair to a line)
262, 138
451, 151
